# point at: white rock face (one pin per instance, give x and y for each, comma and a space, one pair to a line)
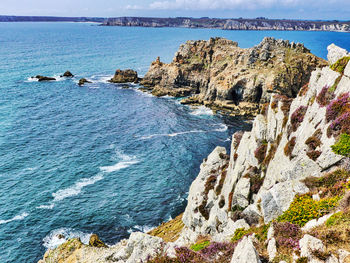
347, 70
272, 249
309, 244
316, 222
335, 53
245, 252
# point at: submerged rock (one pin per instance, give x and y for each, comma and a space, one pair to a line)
44, 78
125, 76
67, 74
83, 81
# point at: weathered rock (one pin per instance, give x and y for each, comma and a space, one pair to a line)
44, 78
67, 74
347, 70
96, 242
125, 76
219, 73
335, 53
83, 81
245, 252
272, 249
308, 245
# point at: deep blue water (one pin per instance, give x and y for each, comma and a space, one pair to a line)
100, 159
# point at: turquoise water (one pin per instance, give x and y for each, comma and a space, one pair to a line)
100, 158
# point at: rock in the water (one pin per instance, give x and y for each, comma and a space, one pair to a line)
96, 242
67, 74
83, 81
125, 76
245, 252
44, 78
335, 53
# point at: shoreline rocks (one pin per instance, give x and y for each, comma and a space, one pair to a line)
67, 74
83, 81
44, 78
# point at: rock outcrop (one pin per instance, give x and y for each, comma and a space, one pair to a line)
83, 81
223, 76
124, 76
284, 185
67, 74
44, 78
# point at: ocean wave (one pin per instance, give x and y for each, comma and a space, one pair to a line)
202, 110
101, 78
61, 235
15, 218
76, 188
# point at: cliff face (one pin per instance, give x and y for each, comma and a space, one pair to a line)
231, 24
221, 75
250, 205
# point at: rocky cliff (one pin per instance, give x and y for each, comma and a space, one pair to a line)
231, 24
221, 75
280, 195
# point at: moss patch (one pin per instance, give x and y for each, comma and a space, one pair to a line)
340, 65
342, 146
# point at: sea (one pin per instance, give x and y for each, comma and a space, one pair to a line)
101, 158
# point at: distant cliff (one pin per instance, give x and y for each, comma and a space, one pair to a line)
231, 24
50, 19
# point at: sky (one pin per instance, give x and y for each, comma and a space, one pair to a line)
298, 9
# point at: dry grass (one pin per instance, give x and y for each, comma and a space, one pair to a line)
169, 231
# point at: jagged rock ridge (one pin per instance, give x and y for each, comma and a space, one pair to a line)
221, 75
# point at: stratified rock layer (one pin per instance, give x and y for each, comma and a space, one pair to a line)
222, 75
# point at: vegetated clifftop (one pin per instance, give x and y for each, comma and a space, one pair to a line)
231, 24
221, 75
282, 195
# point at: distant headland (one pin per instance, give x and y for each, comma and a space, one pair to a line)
260, 23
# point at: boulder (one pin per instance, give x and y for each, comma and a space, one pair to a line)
67, 74
335, 53
308, 245
44, 78
96, 242
83, 81
245, 252
272, 249
124, 76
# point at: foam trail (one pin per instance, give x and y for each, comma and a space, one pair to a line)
76, 188
50, 206
15, 218
137, 228
125, 162
59, 236
222, 128
170, 134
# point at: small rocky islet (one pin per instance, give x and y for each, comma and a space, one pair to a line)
282, 194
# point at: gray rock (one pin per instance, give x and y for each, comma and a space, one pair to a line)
245, 252
335, 53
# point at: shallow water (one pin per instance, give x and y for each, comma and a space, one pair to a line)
100, 158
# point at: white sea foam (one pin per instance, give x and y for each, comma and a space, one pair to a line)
125, 162
15, 218
76, 188
137, 228
222, 128
61, 235
30, 79
170, 134
50, 206
202, 110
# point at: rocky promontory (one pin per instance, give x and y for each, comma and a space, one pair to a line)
282, 194
221, 75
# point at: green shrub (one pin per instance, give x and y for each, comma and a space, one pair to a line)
342, 146
200, 245
304, 208
240, 233
340, 65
